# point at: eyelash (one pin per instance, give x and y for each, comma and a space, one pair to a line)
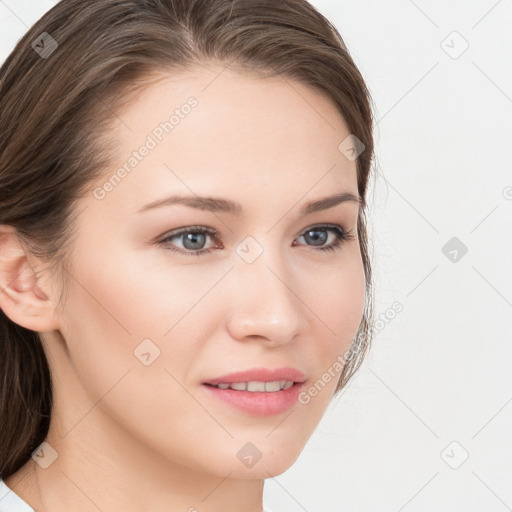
342, 235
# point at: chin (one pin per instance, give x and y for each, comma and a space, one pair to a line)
261, 470
272, 463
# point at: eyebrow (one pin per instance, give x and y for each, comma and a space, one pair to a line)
220, 205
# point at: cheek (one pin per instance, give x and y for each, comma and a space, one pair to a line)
108, 317
124, 300
137, 296
339, 301
338, 308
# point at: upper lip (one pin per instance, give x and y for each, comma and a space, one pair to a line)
260, 375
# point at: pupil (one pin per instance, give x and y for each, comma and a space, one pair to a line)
196, 240
321, 238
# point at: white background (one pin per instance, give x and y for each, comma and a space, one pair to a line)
436, 386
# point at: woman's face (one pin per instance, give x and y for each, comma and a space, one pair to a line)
151, 314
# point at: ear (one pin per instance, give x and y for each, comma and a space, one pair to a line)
23, 297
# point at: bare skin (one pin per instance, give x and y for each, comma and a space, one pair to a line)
133, 437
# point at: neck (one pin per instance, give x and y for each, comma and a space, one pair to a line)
92, 472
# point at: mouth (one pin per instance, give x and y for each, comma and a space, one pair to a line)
257, 391
256, 398
254, 386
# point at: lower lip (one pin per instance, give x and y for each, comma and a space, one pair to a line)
258, 403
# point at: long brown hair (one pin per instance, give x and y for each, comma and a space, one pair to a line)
61, 87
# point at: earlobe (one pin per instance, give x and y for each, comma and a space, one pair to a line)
21, 297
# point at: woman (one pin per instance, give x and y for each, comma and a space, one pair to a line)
184, 266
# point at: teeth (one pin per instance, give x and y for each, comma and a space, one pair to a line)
257, 386
260, 386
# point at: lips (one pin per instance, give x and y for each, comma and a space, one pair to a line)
259, 375
243, 390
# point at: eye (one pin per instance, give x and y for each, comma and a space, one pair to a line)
319, 235
193, 239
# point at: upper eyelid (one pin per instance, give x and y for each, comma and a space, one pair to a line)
213, 231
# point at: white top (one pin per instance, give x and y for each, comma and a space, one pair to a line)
11, 502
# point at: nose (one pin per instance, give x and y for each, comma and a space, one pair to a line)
265, 300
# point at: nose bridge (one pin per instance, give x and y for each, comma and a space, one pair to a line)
265, 301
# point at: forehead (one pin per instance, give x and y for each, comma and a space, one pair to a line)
217, 131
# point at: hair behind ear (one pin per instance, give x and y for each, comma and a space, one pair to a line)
25, 395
